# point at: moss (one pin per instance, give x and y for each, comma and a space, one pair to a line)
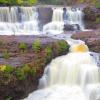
20, 74
49, 53
6, 54
63, 47
23, 47
98, 20
9, 69
36, 46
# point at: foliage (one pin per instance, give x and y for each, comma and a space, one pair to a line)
36, 46
2, 67
98, 20
97, 4
9, 98
18, 2
20, 74
63, 46
6, 54
49, 53
23, 47
32, 2
9, 69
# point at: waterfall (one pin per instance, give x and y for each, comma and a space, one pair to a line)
18, 21
75, 20
69, 77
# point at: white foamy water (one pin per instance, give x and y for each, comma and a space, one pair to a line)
75, 17
18, 21
74, 76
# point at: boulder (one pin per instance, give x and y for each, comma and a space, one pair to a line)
91, 38
92, 17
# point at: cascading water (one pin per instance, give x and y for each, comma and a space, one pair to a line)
74, 76
75, 18
18, 21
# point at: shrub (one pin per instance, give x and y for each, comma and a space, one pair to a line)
36, 46
63, 46
9, 69
9, 98
23, 47
33, 71
2, 68
20, 74
49, 53
98, 20
6, 54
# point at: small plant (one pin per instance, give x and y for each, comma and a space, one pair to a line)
98, 20
1, 43
6, 54
9, 98
20, 74
63, 46
9, 69
23, 47
36, 46
49, 53
33, 71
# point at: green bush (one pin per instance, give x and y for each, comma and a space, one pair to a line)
20, 74
97, 5
98, 20
33, 71
9, 69
9, 98
63, 46
49, 53
36, 46
6, 54
23, 47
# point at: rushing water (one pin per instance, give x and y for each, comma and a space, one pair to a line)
18, 21
70, 77
75, 17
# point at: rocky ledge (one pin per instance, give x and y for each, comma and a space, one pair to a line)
22, 62
91, 38
92, 17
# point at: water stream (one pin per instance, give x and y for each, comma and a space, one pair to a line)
69, 77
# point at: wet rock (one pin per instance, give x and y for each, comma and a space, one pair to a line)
45, 15
91, 38
71, 27
92, 17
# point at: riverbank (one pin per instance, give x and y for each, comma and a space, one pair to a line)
22, 62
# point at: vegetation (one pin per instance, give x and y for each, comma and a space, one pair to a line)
6, 54
32, 2
23, 47
49, 53
18, 2
98, 20
36, 46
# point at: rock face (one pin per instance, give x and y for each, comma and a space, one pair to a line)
92, 17
28, 63
91, 38
45, 15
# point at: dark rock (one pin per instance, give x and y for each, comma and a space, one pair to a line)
71, 27
45, 15
91, 16
91, 38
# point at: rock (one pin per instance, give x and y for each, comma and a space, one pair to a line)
91, 38
10, 84
71, 27
45, 15
92, 17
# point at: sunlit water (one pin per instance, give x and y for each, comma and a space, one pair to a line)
74, 76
